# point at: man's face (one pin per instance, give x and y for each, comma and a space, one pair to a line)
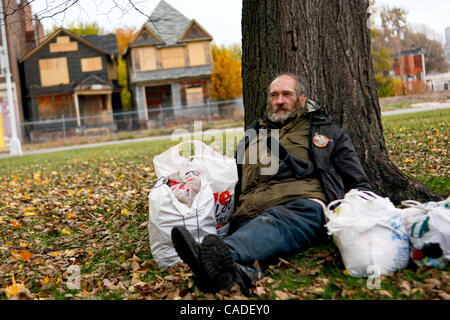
283, 100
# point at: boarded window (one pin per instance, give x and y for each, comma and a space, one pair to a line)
54, 107
197, 53
173, 57
53, 72
63, 44
91, 64
144, 58
194, 95
112, 71
148, 58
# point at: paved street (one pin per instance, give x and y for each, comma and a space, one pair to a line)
424, 107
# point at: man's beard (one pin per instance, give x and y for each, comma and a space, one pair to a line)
281, 117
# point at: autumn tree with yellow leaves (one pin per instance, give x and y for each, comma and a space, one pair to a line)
124, 36
226, 80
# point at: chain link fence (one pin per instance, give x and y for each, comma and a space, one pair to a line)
139, 121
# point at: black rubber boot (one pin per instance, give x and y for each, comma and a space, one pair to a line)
220, 267
189, 251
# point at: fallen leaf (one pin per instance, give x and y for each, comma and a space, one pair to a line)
15, 224
281, 295
444, 295
109, 285
71, 216
434, 282
69, 253
260, 291
125, 212
318, 290
14, 289
384, 293
90, 231
405, 285
25, 255
141, 226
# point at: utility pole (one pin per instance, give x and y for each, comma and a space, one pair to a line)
15, 146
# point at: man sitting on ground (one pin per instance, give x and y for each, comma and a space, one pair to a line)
281, 212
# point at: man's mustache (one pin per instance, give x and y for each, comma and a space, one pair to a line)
280, 107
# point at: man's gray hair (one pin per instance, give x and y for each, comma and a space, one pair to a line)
299, 84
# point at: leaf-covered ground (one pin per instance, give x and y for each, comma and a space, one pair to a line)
88, 208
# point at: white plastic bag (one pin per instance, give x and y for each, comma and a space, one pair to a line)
428, 227
166, 212
217, 170
369, 232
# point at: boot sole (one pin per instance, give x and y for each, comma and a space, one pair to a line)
217, 262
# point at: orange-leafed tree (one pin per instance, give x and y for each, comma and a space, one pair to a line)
226, 80
124, 36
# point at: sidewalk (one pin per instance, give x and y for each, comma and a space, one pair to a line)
420, 108
425, 107
93, 145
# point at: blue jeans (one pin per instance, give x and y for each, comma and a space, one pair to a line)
279, 230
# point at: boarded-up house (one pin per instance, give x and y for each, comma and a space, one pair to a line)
412, 65
74, 77
169, 64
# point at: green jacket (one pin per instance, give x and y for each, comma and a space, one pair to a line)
337, 168
260, 187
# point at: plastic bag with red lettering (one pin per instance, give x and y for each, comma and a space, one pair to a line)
218, 171
178, 202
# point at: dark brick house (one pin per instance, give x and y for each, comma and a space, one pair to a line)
74, 77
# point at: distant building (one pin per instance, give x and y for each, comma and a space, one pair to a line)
439, 82
447, 35
23, 33
411, 67
169, 65
447, 45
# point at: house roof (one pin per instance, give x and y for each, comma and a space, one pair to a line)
167, 23
167, 27
107, 42
98, 43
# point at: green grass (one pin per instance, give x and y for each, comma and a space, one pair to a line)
89, 208
419, 145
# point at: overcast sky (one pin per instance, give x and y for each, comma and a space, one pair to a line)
435, 14
221, 18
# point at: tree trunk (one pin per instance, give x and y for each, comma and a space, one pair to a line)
327, 42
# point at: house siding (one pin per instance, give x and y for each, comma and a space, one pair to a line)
32, 74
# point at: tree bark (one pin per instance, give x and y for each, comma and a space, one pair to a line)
327, 42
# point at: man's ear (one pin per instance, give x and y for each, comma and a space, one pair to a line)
302, 100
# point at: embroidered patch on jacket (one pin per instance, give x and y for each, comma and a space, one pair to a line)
320, 140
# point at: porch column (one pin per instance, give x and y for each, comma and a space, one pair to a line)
109, 105
77, 109
141, 103
176, 96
